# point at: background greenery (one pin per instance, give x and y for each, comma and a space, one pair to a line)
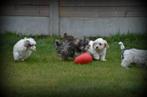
45, 75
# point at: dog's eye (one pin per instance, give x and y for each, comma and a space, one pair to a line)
100, 44
31, 45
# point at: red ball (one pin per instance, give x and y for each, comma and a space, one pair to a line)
84, 58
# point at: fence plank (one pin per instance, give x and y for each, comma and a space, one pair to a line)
99, 3
25, 11
101, 11
54, 17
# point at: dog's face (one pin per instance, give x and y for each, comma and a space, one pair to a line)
100, 44
81, 44
30, 43
65, 49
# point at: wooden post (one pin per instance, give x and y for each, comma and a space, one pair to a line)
54, 17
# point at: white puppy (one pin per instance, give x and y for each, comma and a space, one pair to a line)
23, 48
98, 49
133, 55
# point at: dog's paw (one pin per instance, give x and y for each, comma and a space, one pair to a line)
103, 60
22, 60
127, 68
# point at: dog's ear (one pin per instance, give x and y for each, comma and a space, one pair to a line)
86, 40
64, 34
57, 43
67, 37
94, 44
106, 44
26, 43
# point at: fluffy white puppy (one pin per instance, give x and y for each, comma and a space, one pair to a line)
98, 49
24, 48
133, 55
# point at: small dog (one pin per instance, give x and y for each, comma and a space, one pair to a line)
133, 55
23, 49
98, 49
70, 47
65, 49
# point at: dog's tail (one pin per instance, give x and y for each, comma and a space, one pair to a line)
122, 47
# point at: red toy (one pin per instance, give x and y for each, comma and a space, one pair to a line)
84, 58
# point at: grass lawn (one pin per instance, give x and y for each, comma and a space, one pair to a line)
45, 75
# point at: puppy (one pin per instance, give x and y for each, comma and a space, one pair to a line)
98, 49
23, 49
133, 55
70, 47
65, 49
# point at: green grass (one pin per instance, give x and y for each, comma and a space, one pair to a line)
45, 75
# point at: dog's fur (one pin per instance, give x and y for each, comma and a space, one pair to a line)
132, 55
70, 47
23, 49
98, 49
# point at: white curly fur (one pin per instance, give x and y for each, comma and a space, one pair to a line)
98, 49
133, 56
24, 48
